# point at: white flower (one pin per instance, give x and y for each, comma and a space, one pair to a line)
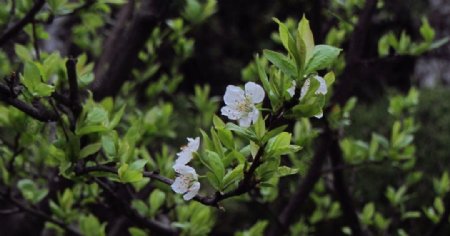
322, 89
185, 155
240, 104
291, 90
186, 183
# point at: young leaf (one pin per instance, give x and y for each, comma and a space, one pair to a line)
281, 61
89, 150
323, 56
307, 36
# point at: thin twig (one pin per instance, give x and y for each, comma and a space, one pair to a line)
15, 29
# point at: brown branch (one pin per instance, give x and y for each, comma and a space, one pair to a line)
75, 104
122, 47
37, 111
15, 29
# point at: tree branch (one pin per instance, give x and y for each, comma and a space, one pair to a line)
38, 111
75, 105
122, 47
11, 32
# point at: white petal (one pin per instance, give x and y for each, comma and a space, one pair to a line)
231, 112
233, 95
184, 157
320, 115
305, 88
179, 186
254, 92
192, 191
291, 90
245, 121
193, 144
185, 170
254, 115
322, 85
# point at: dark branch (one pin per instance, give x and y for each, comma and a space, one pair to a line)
123, 45
75, 105
38, 111
15, 29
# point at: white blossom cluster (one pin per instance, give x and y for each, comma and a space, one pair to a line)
186, 182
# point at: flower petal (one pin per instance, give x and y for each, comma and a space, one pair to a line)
305, 88
193, 144
185, 170
184, 157
291, 90
322, 85
233, 95
254, 92
319, 115
254, 115
245, 121
179, 185
192, 191
231, 112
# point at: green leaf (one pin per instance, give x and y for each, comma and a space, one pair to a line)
90, 226
116, 118
247, 133
280, 145
213, 162
128, 175
323, 57
97, 115
22, 52
284, 33
233, 176
155, 201
311, 107
426, 31
32, 81
273, 133
307, 36
285, 170
281, 62
89, 150
134, 231
91, 129
367, 213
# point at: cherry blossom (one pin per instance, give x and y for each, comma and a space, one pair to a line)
240, 104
